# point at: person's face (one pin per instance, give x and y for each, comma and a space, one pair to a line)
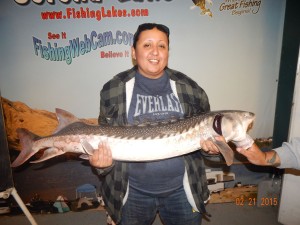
151, 53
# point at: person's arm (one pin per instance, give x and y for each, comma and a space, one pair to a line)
286, 156
258, 157
102, 157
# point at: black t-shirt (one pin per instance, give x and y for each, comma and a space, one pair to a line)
154, 100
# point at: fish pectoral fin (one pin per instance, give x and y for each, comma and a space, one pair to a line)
87, 147
226, 151
48, 154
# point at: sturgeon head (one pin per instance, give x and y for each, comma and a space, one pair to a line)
233, 126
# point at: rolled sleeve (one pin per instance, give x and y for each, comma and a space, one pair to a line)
289, 154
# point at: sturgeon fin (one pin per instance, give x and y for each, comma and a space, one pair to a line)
87, 147
64, 118
26, 140
226, 151
48, 154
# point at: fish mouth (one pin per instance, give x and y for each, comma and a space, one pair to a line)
250, 126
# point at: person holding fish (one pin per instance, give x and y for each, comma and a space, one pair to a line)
176, 188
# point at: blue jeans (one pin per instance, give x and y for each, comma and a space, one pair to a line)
174, 209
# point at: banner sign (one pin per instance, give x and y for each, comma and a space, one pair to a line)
59, 53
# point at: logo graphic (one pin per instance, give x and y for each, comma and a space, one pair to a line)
240, 7
202, 5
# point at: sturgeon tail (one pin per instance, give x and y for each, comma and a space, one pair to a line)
26, 139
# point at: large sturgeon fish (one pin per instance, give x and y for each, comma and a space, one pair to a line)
137, 143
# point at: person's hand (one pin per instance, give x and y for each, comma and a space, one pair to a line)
101, 157
258, 157
253, 154
210, 147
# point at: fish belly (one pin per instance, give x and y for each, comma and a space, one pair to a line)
154, 149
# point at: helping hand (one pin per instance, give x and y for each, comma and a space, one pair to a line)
102, 156
210, 147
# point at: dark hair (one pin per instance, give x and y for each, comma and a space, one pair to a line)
150, 26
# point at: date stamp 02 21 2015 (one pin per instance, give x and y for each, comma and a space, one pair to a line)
253, 201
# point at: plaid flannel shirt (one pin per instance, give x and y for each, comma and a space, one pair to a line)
113, 111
